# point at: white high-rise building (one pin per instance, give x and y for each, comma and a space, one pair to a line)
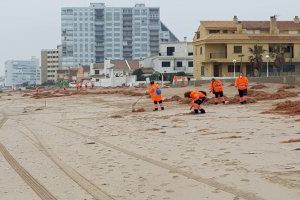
95, 33
18, 72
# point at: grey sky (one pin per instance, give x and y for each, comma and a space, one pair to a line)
27, 26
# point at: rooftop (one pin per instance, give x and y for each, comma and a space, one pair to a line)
121, 65
245, 37
251, 25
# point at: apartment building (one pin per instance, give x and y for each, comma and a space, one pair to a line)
49, 65
95, 33
222, 47
18, 72
173, 57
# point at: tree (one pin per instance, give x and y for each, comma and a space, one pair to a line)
180, 74
278, 55
156, 76
139, 74
256, 58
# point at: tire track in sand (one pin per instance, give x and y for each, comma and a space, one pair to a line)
38, 188
173, 169
80, 180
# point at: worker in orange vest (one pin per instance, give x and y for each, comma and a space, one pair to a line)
155, 92
175, 80
37, 90
241, 83
198, 98
77, 86
216, 87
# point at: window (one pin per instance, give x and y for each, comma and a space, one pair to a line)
214, 31
170, 51
237, 49
231, 68
289, 68
191, 64
202, 71
109, 16
179, 64
166, 64
97, 72
200, 50
190, 53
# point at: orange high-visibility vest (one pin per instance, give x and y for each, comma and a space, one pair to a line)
152, 92
195, 95
216, 86
241, 83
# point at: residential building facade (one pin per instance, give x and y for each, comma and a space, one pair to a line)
78, 74
18, 72
173, 57
119, 68
49, 65
113, 73
95, 33
222, 47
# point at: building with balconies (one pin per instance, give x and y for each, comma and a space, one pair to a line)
223, 47
49, 65
97, 33
22, 72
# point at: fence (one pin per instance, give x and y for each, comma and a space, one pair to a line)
272, 79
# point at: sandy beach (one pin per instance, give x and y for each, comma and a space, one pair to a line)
94, 147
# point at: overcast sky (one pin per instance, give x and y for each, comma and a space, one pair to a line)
27, 26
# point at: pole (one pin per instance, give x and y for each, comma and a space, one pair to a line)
162, 79
241, 67
267, 68
233, 69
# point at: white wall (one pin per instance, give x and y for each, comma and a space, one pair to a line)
116, 81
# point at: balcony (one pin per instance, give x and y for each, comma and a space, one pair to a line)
221, 55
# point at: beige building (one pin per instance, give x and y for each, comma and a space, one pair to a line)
49, 65
78, 74
222, 46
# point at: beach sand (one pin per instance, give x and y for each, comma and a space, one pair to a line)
95, 147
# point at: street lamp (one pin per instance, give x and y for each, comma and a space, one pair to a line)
234, 62
162, 78
241, 67
268, 59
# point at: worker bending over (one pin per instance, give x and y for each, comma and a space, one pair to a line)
241, 83
155, 92
216, 87
198, 98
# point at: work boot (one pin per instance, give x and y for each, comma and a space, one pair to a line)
224, 102
162, 108
196, 111
156, 109
202, 111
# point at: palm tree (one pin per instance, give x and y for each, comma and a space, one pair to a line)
256, 59
278, 55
